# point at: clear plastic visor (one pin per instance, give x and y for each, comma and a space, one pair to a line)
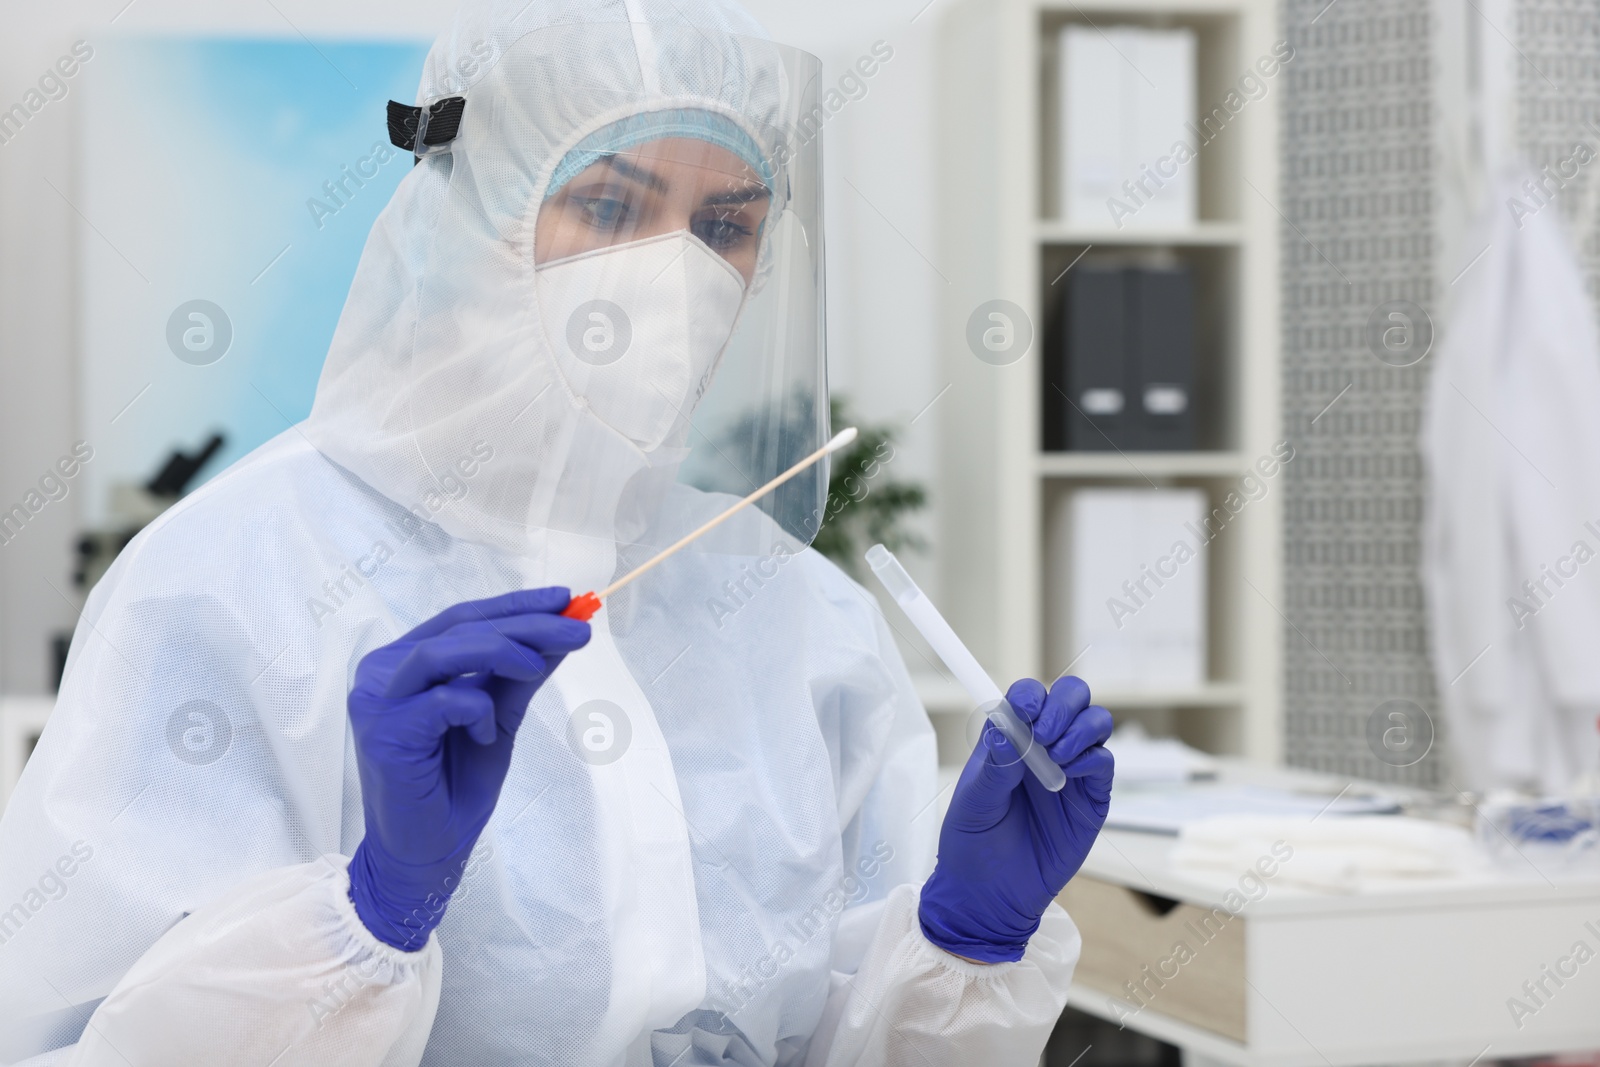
679, 274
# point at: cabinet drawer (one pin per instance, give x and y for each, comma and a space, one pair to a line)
1178, 960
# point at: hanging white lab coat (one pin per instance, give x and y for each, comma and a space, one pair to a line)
1511, 535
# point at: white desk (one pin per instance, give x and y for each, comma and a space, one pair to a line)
1396, 973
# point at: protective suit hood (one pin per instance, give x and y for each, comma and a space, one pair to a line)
442, 343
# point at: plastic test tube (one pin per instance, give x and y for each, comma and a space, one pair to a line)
964, 665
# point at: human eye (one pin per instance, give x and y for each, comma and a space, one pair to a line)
722, 232
603, 212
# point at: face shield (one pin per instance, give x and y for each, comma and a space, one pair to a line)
615, 266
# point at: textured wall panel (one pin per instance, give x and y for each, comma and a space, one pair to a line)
1357, 174
1559, 109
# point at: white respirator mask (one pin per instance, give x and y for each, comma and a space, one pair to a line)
638, 329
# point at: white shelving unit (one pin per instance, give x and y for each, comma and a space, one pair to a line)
1203, 233
1002, 239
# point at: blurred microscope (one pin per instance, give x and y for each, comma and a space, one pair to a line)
131, 509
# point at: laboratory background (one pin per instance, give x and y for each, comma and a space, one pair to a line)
1239, 357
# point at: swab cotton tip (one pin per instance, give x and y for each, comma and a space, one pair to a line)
840, 439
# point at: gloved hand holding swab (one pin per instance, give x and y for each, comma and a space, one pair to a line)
584, 606
964, 665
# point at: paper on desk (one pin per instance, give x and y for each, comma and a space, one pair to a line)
1336, 854
1144, 759
1168, 810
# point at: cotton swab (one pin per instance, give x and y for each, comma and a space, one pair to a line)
584, 606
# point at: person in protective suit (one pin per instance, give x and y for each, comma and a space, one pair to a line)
331, 780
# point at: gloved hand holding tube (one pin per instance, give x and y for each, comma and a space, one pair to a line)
435, 715
1009, 846
1011, 840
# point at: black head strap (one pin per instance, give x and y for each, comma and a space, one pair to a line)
418, 129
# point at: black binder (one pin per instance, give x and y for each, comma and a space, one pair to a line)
1161, 353
1097, 415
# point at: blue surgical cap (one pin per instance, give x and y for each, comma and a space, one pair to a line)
635, 130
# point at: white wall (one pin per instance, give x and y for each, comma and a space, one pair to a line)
885, 282
882, 294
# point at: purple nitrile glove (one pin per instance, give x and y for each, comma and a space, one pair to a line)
1009, 845
435, 715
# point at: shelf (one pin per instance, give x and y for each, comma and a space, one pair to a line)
1208, 234
940, 694
1141, 464
1142, 8
1209, 695
943, 696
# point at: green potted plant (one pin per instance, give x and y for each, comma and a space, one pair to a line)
866, 504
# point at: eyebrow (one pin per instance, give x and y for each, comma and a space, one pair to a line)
632, 171
653, 181
738, 196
